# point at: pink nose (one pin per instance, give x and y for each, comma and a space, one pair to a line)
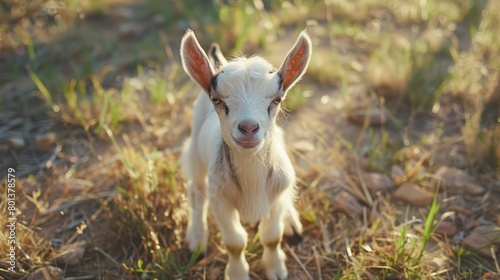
248, 127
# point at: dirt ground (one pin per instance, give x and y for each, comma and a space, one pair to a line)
94, 108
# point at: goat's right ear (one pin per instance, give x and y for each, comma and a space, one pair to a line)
195, 62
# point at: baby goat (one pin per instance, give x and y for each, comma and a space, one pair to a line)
236, 144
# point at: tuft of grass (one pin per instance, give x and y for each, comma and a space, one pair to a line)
327, 67
86, 103
405, 74
379, 153
389, 251
32, 251
43, 90
475, 73
482, 145
151, 211
160, 89
430, 225
245, 21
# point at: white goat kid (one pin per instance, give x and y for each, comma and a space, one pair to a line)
236, 144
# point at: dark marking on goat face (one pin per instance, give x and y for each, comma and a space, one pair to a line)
213, 88
280, 82
280, 88
213, 83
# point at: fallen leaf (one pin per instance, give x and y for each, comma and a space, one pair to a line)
71, 254
481, 239
373, 116
346, 203
414, 194
456, 181
446, 228
377, 182
397, 174
44, 141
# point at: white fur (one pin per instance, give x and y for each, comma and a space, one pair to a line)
255, 184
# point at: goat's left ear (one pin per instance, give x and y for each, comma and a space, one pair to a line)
296, 61
195, 62
215, 56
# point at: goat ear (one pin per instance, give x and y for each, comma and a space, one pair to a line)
216, 57
195, 62
296, 61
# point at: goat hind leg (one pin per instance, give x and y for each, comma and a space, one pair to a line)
293, 226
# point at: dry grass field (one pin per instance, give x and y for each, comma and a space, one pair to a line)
394, 133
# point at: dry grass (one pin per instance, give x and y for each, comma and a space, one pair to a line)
105, 198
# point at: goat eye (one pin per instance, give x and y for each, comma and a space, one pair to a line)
215, 100
277, 100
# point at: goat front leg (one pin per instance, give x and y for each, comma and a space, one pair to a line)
197, 231
234, 237
271, 235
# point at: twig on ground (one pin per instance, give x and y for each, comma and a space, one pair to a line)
10, 125
107, 256
318, 265
494, 255
326, 238
52, 157
299, 262
255, 275
366, 192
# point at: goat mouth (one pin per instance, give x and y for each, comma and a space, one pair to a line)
247, 144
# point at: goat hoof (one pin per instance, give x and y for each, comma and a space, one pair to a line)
246, 277
243, 276
197, 239
279, 273
274, 264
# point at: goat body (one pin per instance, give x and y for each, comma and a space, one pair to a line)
235, 160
